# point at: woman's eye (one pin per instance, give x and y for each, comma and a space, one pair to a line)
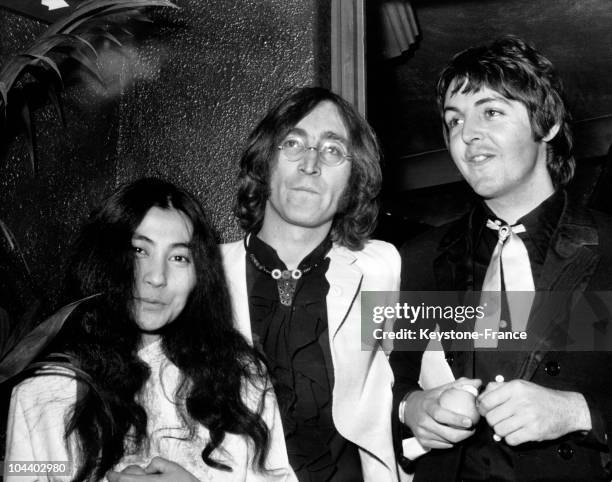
139, 251
179, 258
492, 113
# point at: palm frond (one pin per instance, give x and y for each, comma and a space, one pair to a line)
10, 239
8, 235
100, 8
74, 37
20, 350
26, 119
111, 38
55, 98
4, 92
63, 32
45, 62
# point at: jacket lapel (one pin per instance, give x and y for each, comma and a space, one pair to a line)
344, 279
234, 261
362, 379
452, 271
570, 263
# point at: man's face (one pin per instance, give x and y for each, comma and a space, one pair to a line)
306, 192
492, 144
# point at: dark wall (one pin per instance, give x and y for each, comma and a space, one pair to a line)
217, 78
178, 104
574, 34
422, 185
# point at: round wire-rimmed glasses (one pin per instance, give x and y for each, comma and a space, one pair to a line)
331, 151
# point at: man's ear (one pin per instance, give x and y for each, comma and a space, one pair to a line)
554, 130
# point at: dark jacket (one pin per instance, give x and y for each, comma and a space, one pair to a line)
579, 259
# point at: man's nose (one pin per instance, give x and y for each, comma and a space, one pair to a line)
310, 162
472, 129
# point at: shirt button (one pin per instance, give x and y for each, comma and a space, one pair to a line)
335, 291
552, 368
503, 324
565, 451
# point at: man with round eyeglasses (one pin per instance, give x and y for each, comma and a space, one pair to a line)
309, 179
332, 151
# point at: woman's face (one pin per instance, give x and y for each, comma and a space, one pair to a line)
164, 270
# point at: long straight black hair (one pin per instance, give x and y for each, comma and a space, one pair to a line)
215, 361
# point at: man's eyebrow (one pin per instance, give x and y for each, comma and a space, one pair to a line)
335, 136
326, 135
298, 131
479, 102
496, 98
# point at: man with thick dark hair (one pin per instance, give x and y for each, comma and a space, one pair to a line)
546, 411
309, 180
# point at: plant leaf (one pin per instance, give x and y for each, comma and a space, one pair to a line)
13, 244
96, 8
26, 118
61, 31
32, 344
8, 235
47, 61
46, 44
13, 69
87, 64
55, 100
89, 17
23, 325
4, 93
88, 44
110, 37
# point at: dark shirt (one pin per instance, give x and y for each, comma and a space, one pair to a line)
485, 459
295, 340
540, 225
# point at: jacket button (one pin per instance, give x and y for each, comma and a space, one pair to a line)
552, 368
450, 359
565, 451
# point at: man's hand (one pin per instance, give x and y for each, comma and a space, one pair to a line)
520, 411
159, 470
433, 426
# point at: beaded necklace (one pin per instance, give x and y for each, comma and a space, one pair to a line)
286, 279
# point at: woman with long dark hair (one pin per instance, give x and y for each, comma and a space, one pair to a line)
151, 367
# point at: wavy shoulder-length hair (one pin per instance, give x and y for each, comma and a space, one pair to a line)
519, 72
102, 340
358, 209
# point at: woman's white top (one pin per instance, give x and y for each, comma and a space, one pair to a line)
41, 405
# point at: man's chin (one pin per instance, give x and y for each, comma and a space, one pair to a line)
486, 189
